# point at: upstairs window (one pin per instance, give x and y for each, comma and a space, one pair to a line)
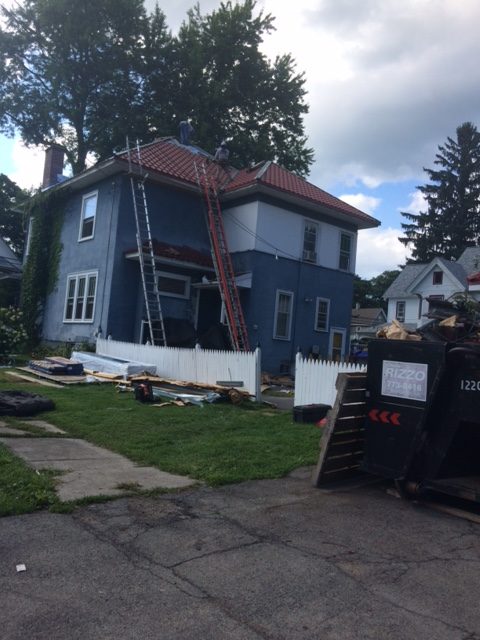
310, 233
283, 315
345, 258
87, 220
437, 277
80, 297
321, 314
400, 311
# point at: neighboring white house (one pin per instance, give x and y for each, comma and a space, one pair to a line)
365, 323
439, 279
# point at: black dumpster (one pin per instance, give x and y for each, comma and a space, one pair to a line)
423, 416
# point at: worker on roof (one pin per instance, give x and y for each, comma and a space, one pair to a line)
186, 131
222, 154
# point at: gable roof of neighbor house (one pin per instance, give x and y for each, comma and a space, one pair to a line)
169, 161
467, 264
470, 260
365, 316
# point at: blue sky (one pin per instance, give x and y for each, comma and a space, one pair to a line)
387, 81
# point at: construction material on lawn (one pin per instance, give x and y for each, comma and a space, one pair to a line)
59, 379
108, 364
151, 389
146, 392
57, 365
33, 378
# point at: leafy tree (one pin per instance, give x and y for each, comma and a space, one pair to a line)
70, 72
86, 74
452, 219
12, 228
369, 293
232, 91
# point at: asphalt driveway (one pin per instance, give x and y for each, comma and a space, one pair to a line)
272, 559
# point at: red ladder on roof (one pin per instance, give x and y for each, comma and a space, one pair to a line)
222, 260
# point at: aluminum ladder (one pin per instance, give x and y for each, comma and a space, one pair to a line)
222, 260
146, 254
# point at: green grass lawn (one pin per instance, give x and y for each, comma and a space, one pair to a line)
217, 444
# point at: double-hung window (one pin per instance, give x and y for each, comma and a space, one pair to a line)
283, 315
80, 297
87, 219
345, 257
310, 234
322, 311
400, 311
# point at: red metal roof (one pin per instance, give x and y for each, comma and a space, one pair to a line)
177, 161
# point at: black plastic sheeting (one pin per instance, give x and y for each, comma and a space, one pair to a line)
21, 403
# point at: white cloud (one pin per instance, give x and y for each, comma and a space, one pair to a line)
417, 203
27, 165
389, 80
365, 203
379, 250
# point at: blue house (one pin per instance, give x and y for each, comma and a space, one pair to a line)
292, 245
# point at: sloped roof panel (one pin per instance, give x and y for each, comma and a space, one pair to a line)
177, 161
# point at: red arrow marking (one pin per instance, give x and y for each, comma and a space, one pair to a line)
394, 419
384, 416
373, 415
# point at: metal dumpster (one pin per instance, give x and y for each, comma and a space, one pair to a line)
423, 416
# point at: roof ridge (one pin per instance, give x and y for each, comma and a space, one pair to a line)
264, 169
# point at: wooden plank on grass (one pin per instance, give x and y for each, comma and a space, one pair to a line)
61, 380
20, 376
342, 443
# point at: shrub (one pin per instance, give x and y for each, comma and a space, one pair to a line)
12, 331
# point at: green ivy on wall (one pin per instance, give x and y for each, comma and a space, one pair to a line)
40, 272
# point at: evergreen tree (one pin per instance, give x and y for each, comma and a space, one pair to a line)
451, 221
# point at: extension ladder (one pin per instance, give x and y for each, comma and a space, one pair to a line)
222, 261
146, 255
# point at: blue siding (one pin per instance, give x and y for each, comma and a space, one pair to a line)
89, 255
307, 282
176, 218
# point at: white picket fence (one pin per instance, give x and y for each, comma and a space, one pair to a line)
191, 365
315, 380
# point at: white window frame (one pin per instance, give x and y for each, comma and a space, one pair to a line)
76, 277
290, 295
327, 319
350, 255
309, 255
435, 274
174, 276
87, 196
400, 316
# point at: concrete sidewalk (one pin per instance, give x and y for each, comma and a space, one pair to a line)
86, 470
264, 560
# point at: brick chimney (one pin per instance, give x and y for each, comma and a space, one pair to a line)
53, 165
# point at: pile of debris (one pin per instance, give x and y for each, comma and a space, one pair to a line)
456, 320
138, 377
